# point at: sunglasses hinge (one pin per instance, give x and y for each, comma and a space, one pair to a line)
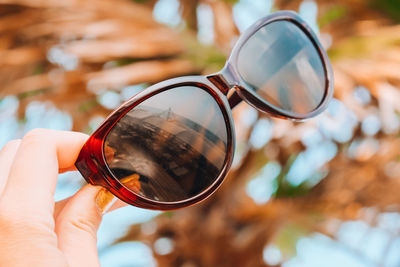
220, 82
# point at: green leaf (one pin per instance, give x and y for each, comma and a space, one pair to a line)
334, 13
32, 93
286, 189
287, 238
232, 2
88, 105
390, 7
38, 70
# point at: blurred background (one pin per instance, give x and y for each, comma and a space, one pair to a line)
320, 193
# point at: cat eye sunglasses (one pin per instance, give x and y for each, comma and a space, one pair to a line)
172, 145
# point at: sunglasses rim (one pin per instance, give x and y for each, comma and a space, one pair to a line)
232, 75
92, 164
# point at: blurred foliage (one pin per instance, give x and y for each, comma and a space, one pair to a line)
287, 237
231, 2
352, 155
24, 95
203, 56
390, 7
363, 46
334, 13
284, 187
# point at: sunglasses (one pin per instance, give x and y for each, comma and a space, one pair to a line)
172, 145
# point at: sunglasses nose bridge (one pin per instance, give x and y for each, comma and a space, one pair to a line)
225, 79
220, 82
228, 84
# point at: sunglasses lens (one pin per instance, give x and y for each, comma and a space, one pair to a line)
170, 147
284, 67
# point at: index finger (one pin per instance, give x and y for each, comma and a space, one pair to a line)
34, 172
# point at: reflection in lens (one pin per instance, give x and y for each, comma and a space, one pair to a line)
283, 66
171, 146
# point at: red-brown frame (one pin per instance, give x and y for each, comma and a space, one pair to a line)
91, 161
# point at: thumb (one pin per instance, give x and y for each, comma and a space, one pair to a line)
77, 224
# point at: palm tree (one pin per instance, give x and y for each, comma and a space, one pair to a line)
71, 52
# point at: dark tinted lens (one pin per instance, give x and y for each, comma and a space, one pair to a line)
171, 146
283, 66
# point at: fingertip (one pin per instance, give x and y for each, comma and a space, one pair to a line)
69, 145
77, 225
117, 205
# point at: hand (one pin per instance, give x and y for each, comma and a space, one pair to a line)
34, 230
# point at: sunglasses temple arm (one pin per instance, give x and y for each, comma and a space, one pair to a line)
234, 99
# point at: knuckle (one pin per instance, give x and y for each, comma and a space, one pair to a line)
36, 133
82, 225
11, 220
36, 136
9, 214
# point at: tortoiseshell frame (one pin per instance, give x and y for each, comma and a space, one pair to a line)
91, 161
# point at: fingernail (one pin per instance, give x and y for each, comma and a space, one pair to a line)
104, 200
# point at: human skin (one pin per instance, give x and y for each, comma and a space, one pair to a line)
34, 229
